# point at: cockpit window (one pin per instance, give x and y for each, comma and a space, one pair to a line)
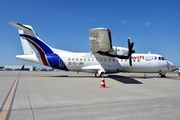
161, 58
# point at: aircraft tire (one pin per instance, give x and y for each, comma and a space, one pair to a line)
96, 75
163, 75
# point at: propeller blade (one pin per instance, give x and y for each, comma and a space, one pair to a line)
131, 51
130, 61
132, 44
129, 42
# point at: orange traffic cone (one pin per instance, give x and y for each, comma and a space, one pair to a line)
144, 75
103, 82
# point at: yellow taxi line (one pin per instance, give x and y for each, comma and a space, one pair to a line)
7, 103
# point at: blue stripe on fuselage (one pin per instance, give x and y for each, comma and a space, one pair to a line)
53, 59
56, 62
42, 45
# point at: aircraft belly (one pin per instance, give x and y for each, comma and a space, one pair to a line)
90, 70
136, 67
145, 67
74, 68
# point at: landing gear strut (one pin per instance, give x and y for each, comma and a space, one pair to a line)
98, 75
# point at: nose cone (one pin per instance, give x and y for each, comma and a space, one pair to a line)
171, 66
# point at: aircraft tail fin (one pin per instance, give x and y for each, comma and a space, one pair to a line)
29, 39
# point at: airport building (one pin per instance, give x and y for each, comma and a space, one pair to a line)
18, 67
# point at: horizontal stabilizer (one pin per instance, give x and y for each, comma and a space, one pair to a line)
19, 26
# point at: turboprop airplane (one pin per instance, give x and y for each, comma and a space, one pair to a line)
103, 58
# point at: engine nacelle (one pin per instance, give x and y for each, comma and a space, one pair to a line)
120, 51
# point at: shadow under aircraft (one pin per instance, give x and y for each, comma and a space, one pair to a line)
125, 80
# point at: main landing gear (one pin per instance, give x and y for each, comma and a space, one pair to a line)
98, 75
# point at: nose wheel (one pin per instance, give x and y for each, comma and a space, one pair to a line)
161, 74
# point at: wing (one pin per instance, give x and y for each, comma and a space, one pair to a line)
100, 40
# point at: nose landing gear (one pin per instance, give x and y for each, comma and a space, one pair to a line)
161, 74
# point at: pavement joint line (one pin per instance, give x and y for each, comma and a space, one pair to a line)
29, 101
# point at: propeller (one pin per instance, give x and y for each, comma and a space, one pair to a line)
131, 51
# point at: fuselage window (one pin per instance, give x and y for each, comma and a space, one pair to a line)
125, 60
109, 59
138, 60
72, 59
100, 59
76, 59
69, 59
105, 60
113, 60
84, 59
88, 59
121, 60
80, 59
134, 60
93, 59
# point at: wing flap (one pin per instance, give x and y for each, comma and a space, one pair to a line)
100, 40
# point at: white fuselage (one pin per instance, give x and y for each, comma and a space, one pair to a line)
87, 62
141, 63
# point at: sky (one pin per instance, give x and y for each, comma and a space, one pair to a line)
153, 25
